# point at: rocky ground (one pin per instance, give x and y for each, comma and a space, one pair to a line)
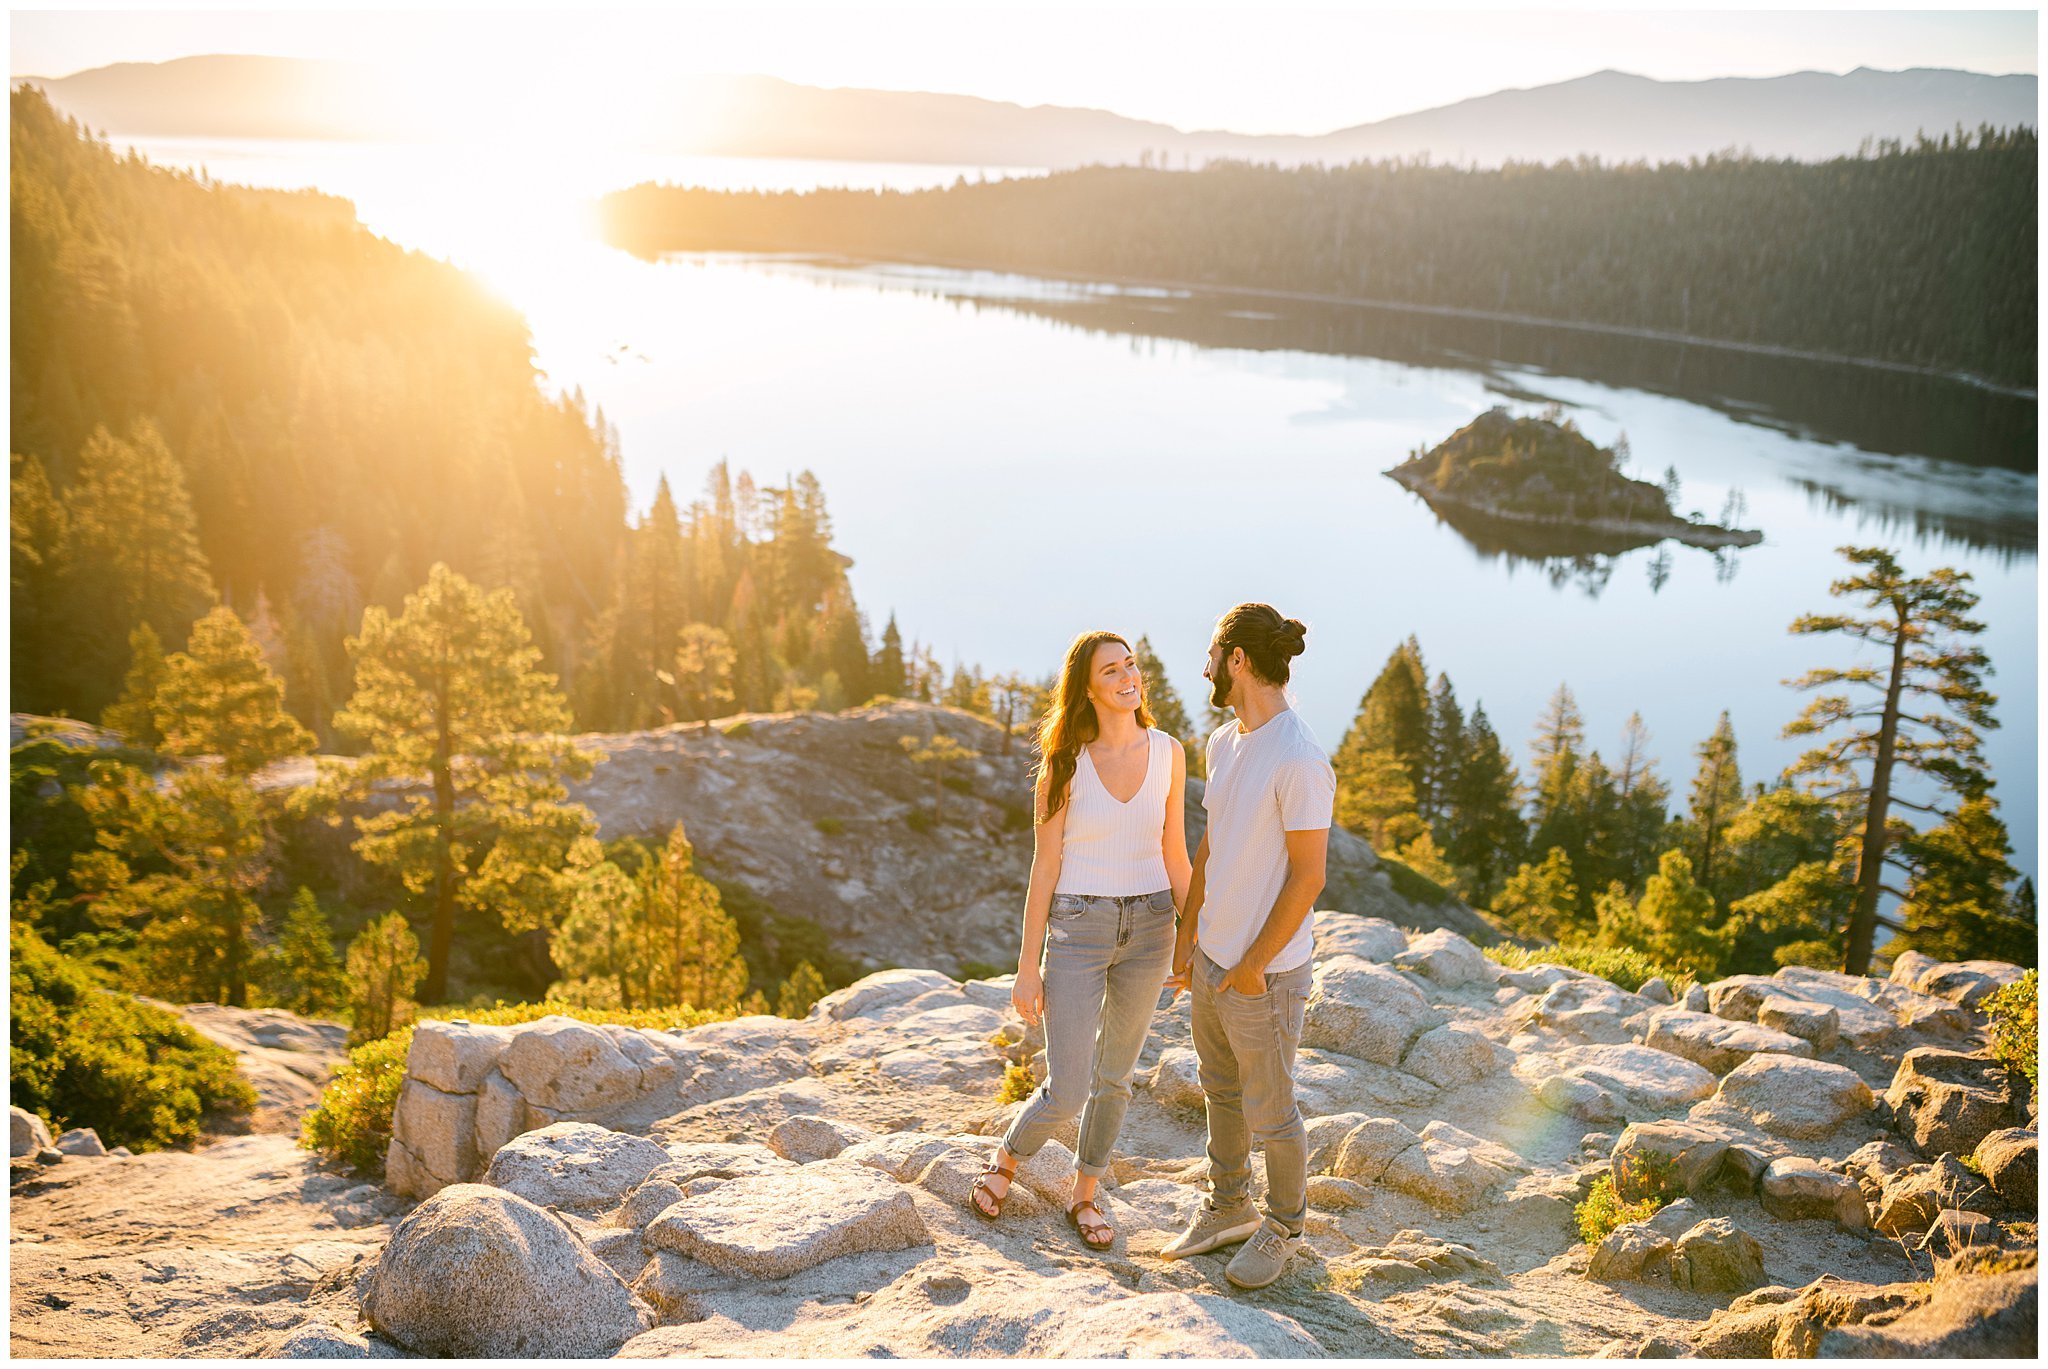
1857, 1177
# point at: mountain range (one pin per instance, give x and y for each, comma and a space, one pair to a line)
1611, 115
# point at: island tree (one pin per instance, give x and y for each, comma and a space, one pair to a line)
450, 692
1929, 708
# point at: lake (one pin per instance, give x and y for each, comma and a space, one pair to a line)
1009, 461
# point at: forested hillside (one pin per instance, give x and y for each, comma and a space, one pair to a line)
241, 396
1918, 255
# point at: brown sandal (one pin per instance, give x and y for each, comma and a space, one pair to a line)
981, 1185
1096, 1235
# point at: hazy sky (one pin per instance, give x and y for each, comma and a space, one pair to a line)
1253, 69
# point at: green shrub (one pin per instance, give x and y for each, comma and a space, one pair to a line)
1816, 955
1625, 968
1603, 1210
352, 1124
831, 827
741, 730
2016, 1025
981, 969
959, 784
1413, 886
919, 820
1017, 1085
83, 1056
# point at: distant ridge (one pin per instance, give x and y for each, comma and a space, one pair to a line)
1611, 115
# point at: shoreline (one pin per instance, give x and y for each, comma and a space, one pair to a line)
1763, 349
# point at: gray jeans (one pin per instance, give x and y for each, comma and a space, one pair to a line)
1244, 1046
1105, 960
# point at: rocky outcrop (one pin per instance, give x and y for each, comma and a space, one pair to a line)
1947, 1101
1805, 1099
1715, 1042
2010, 1162
27, 1134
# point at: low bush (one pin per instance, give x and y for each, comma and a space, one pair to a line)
919, 820
84, 1056
741, 730
1414, 886
982, 969
1814, 955
2016, 1025
1017, 1085
352, 1123
831, 827
1624, 968
1603, 1210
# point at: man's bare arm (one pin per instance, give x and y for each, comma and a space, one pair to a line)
1308, 855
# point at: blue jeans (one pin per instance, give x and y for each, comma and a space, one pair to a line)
1244, 1049
1105, 960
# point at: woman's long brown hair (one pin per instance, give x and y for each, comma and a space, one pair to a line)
1071, 724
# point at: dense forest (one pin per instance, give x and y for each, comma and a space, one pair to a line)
1920, 255
236, 396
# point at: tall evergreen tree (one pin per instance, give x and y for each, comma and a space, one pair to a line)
1926, 720
1447, 747
451, 689
1674, 922
1643, 799
694, 944
219, 698
384, 968
1484, 812
302, 971
1716, 798
134, 715
1389, 733
702, 672
1959, 903
1542, 899
891, 677
1555, 754
1167, 709
601, 945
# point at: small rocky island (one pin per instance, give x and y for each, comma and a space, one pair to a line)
1545, 487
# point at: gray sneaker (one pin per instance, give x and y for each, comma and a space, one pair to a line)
1212, 1229
1262, 1257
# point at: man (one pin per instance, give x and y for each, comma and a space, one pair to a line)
1244, 941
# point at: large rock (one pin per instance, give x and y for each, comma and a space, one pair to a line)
1787, 1096
801, 1140
1580, 1098
1176, 1081
1644, 1079
1865, 1022
476, 1272
1814, 1022
1450, 1178
879, 997
26, 1133
1796, 1189
1447, 959
1369, 1147
1909, 966
1633, 1250
2010, 1160
1669, 1158
775, 1226
1364, 1010
1449, 1056
1945, 1101
433, 1140
1716, 1256
1368, 938
569, 1066
1914, 1198
1586, 1010
1715, 1042
455, 1057
1967, 982
576, 1165
83, 1142
1980, 1316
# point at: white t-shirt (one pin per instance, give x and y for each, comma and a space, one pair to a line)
1263, 784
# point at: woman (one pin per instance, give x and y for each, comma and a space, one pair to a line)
1109, 869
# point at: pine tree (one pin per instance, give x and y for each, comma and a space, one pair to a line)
303, 973
602, 940
1809, 905
692, 941
36, 533
451, 689
219, 698
1643, 800
384, 967
183, 866
1376, 799
1716, 797
1484, 812
800, 992
1555, 754
702, 674
1012, 699
1674, 922
1168, 711
1959, 903
134, 715
891, 680
130, 554
1922, 626
1541, 900
1393, 718
1447, 747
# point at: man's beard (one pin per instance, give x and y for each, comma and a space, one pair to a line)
1220, 685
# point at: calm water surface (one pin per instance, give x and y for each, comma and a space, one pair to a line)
1009, 461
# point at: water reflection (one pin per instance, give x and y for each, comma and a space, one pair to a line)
1932, 455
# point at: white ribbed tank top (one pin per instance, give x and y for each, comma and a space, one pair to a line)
1113, 848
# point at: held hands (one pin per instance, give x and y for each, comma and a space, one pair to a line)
1180, 979
1027, 995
